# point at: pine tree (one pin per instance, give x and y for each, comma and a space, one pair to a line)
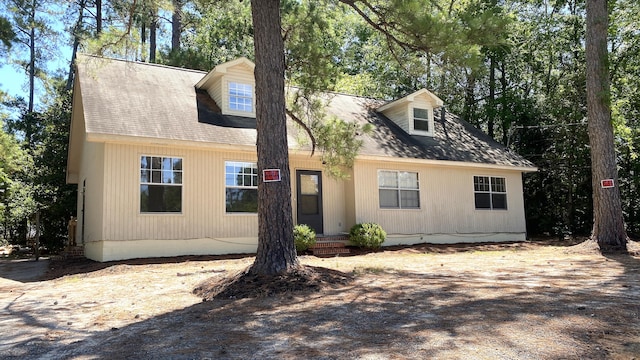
608, 223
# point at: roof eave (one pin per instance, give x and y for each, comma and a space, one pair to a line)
222, 69
410, 98
450, 163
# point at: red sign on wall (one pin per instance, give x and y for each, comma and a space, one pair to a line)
607, 183
270, 175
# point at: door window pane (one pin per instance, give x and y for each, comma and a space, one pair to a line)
309, 184
309, 205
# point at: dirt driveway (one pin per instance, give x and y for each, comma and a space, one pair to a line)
515, 301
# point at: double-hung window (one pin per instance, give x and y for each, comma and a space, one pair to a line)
398, 189
420, 119
241, 187
240, 97
490, 192
160, 184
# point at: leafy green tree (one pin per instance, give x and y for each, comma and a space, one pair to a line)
39, 184
215, 32
16, 194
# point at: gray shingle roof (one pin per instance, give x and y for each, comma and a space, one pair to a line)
152, 101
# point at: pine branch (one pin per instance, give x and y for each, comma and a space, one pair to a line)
305, 127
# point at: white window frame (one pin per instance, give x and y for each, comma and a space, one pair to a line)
491, 192
412, 128
243, 91
253, 177
427, 119
150, 179
399, 190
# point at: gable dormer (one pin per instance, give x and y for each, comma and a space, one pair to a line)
414, 112
233, 87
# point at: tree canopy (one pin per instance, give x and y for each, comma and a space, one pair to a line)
514, 68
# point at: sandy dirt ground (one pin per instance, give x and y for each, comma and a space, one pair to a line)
510, 301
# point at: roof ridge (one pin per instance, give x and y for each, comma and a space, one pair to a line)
339, 93
136, 62
353, 95
206, 72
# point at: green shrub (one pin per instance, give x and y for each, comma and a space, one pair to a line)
304, 237
367, 235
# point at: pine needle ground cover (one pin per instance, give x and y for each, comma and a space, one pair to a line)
510, 301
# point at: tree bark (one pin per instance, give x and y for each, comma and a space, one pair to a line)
276, 250
76, 43
608, 223
32, 54
505, 119
176, 25
98, 18
153, 35
143, 39
469, 98
491, 103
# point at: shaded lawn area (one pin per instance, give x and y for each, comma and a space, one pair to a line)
509, 301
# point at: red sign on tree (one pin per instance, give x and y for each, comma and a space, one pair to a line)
270, 175
607, 183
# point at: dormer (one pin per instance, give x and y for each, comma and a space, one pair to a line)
414, 112
233, 87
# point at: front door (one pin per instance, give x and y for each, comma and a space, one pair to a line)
309, 194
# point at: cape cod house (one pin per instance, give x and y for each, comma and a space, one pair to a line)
165, 162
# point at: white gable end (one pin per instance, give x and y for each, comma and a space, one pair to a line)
232, 86
414, 112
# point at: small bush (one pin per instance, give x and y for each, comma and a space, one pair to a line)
367, 235
304, 237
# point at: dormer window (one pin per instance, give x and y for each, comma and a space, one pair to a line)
414, 112
420, 119
240, 97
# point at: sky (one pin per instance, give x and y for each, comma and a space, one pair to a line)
14, 80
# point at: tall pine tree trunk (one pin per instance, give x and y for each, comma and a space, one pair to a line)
32, 54
276, 249
176, 25
153, 35
143, 40
76, 43
469, 99
98, 18
491, 103
608, 223
506, 119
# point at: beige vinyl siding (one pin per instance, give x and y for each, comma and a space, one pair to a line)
398, 114
93, 174
116, 229
216, 91
350, 201
77, 136
446, 201
203, 197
